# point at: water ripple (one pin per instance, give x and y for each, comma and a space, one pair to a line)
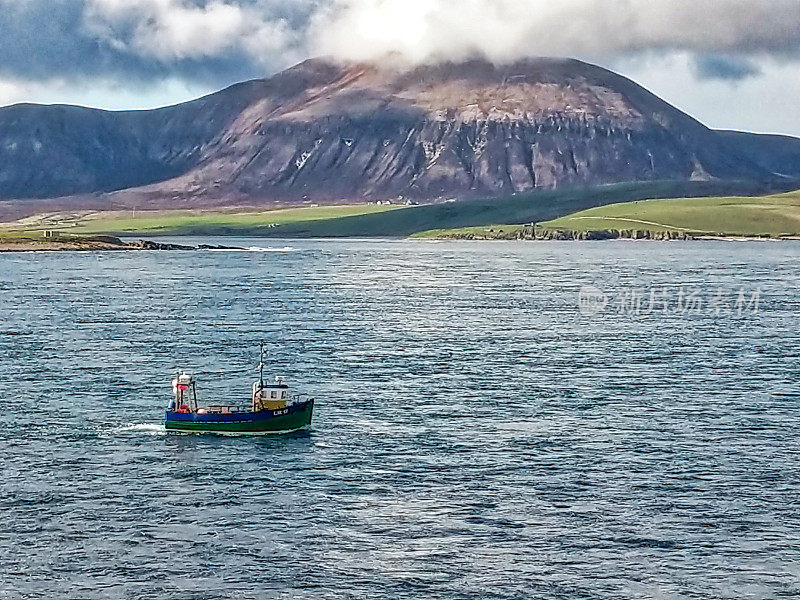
475, 436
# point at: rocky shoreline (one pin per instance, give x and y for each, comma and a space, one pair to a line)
537, 234
100, 243
614, 234
531, 233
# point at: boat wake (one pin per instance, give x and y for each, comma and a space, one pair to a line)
271, 249
255, 249
147, 428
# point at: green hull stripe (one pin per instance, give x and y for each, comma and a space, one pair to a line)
289, 422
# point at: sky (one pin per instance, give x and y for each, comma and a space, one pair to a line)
733, 64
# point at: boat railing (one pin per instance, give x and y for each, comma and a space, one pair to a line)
222, 409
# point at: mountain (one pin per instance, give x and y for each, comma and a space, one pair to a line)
776, 153
327, 131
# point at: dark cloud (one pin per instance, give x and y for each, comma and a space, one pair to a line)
41, 39
725, 67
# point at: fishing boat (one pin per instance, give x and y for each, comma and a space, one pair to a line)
272, 409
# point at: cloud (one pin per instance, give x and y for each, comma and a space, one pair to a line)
174, 30
764, 103
211, 43
141, 41
507, 29
726, 68
222, 40
99, 93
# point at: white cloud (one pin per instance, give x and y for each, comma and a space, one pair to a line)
12, 92
106, 94
507, 29
175, 30
499, 29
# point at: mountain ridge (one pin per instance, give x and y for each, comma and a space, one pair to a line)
327, 131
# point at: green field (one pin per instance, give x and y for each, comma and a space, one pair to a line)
537, 206
373, 220
33, 240
767, 216
489, 232
196, 222
13, 235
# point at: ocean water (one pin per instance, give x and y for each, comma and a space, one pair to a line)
493, 421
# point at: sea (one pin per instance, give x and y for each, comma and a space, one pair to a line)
493, 420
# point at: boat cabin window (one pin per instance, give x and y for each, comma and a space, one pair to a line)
283, 394
274, 394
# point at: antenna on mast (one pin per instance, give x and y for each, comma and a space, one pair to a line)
261, 367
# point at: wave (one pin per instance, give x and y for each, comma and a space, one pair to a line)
149, 428
270, 249
254, 249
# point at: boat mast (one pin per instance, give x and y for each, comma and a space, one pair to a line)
261, 368
176, 392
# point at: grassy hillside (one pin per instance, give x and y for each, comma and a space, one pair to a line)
374, 220
198, 222
773, 216
523, 208
16, 240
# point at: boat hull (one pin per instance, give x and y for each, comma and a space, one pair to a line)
282, 420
